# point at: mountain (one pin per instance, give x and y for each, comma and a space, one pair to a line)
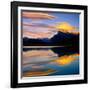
59, 39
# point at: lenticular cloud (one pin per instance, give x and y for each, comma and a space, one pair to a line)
38, 31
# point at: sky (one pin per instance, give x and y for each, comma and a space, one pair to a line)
67, 22
71, 18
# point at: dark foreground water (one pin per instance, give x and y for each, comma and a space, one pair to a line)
40, 61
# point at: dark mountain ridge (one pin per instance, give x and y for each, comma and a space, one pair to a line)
59, 39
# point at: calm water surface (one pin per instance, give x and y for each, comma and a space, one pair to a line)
48, 61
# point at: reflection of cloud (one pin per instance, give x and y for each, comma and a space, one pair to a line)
66, 59
37, 15
67, 28
35, 53
38, 73
38, 56
38, 31
34, 61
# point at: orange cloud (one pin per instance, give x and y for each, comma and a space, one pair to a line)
50, 27
66, 28
38, 31
37, 15
66, 59
37, 35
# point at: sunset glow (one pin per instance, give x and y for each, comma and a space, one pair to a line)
66, 59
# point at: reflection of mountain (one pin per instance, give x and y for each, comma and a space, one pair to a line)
58, 50
59, 39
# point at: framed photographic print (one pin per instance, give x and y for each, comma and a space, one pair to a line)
48, 45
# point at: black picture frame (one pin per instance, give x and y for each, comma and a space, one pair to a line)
14, 44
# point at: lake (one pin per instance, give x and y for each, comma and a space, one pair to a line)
49, 61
